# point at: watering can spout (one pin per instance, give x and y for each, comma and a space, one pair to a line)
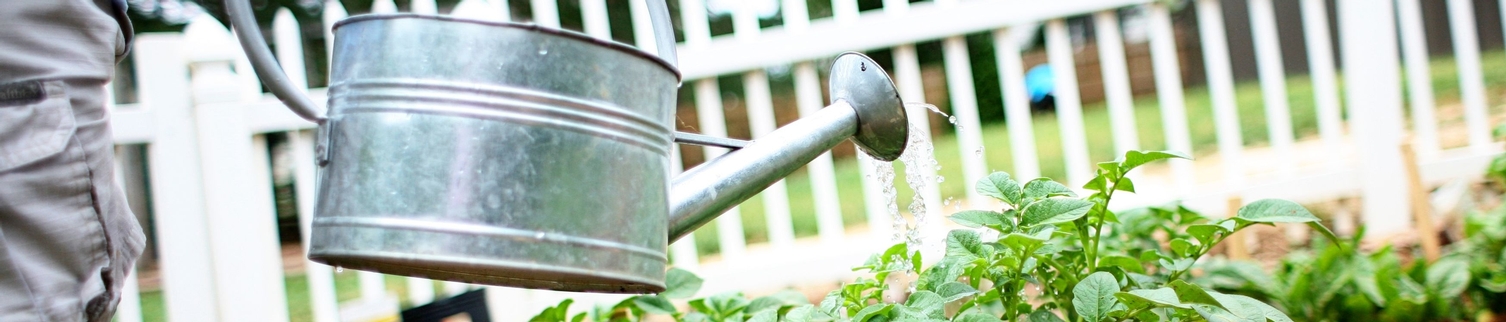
865, 107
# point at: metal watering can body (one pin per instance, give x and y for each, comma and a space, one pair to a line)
516, 155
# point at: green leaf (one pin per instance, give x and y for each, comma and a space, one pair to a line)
832, 303
1110, 167
776, 301
1021, 242
1128, 264
978, 218
1448, 277
1093, 297
1193, 294
929, 303
806, 313
1161, 297
953, 291
1269, 312
871, 311
680, 284
1274, 211
765, 316
1054, 210
654, 304
1043, 187
1182, 247
555, 313
1098, 183
963, 244
1044, 316
1125, 184
1204, 233
1277, 210
1000, 186
976, 317
1179, 264
1133, 159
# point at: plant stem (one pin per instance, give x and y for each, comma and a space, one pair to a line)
1132, 314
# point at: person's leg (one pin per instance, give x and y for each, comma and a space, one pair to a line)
67, 239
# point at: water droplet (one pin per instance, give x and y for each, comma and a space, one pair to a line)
978, 152
940, 179
339, 269
543, 51
952, 119
538, 235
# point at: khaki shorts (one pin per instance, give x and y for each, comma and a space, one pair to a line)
67, 239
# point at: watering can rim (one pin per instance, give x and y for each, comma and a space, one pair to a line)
574, 35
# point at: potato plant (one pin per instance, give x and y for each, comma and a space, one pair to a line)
1047, 254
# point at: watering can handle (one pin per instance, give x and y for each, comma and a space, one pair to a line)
241, 18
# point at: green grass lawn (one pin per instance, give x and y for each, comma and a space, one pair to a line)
997, 157
1100, 144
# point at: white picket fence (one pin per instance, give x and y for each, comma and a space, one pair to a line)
203, 120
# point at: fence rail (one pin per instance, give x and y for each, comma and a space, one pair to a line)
205, 123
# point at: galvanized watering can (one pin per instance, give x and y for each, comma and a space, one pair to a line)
517, 155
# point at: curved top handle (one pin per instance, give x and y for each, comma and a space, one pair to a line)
266, 67
242, 20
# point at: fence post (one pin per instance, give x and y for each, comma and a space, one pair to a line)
247, 265
187, 283
1374, 97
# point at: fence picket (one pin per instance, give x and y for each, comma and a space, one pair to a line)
1163, 51
1461, 18
708, 99
795, 14
1414, 54
643, 27
844, 10
1220, 86
383, 6
1269, 66
235, 185
333, 12
545, 13
594, 16
1371, 81
1324, 78
1068, 104
693, 20
1116, 86
129, 307
959, 74
182, 240
289, 47
1016, 104
776, 198
322, 300
821, 171
426, 7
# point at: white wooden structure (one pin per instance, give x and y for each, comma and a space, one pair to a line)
203, 121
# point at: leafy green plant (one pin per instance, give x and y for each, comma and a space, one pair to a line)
1049, 261
1045, 255
1484, 249
1331, 283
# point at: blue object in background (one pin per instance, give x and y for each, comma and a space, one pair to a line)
1039, 82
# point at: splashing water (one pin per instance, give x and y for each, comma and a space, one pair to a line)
883, 172
918, 155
